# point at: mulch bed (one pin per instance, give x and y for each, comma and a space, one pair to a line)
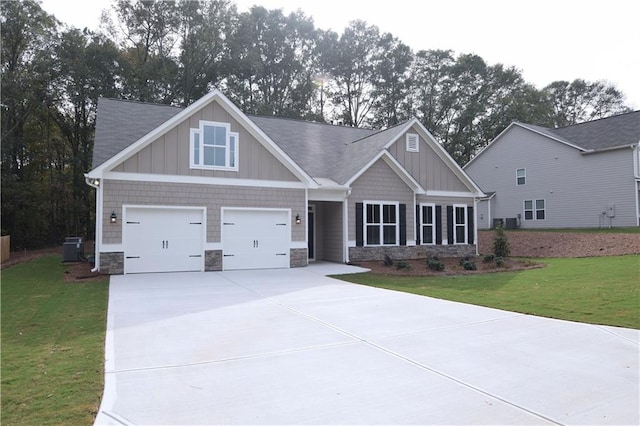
418, 267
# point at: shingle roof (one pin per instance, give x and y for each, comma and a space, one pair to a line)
120, 123
322, 150
611, 132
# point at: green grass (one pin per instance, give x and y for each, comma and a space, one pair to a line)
52, 345
597, 290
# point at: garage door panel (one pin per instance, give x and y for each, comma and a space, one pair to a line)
163, 240
256, 239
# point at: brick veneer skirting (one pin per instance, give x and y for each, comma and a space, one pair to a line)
298, 258
112, 263
365, 254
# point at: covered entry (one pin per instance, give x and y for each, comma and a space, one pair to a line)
325, 231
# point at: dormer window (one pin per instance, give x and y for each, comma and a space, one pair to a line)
412, 142
214, 146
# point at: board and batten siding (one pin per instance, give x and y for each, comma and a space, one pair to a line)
169, 154
380, 183
213, 198
576, 187
426, 166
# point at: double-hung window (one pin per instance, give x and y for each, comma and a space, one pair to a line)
214, 146
381, 223
521, 176
427, 223
534, 210
460, 224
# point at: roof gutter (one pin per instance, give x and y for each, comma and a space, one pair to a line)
613, 148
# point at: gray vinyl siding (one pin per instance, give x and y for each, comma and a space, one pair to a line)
169, 154
381, 183
426, 166
576, 187
117, 193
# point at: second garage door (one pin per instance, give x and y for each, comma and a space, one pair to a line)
255, 239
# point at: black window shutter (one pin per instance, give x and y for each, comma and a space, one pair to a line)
403, 224
470, 228
418, 230
359, 224
438, 224
450, 224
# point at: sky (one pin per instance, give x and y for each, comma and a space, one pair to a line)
547, 40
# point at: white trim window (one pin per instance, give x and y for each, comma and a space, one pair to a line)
535, 210
214, 146
521, 176
427, 223
412, 142
460, 224
381, 223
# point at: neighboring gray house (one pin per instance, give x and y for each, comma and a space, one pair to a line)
581, 176
209, 188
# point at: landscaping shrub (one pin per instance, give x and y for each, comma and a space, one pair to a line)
403, 264
488, 258
434, 264
387, 260
499, 261
500, 243
469, 265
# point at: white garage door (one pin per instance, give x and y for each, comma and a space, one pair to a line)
255, 239
163, 239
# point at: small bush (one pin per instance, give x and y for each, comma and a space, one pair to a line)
434, 264
465, 259
387, 260
469, 265
403, 264
500, 243
499, 261
488, 258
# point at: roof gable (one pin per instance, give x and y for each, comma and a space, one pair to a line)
128, 147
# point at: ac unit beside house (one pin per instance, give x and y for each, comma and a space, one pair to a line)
73, 249
511, 223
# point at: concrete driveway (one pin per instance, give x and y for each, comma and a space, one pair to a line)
296, 347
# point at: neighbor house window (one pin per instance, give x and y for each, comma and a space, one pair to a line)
214, 146
521, 176
381, 224
412, 142
427, 223
460, 224
534, 210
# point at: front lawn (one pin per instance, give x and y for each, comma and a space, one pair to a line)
597, 290
52, 345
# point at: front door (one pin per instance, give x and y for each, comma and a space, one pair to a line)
311, 231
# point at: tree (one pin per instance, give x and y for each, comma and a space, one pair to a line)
273, 63
205, 29
581, 101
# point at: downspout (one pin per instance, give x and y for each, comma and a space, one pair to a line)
475, 224
95, 183
636, 162
345, 225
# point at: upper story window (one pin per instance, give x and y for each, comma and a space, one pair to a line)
214, 146
412, 142
381, 224
521, 176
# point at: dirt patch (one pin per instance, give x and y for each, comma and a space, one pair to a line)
452, 266
563, 244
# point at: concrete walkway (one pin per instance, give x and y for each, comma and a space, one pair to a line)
296, 347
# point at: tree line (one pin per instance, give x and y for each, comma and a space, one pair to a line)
266, 62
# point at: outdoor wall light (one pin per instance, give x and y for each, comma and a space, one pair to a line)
298, 220
114, 217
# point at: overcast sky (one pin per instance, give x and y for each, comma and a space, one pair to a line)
547, 40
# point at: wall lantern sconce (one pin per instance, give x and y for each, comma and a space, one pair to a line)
298, 220
114, 217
